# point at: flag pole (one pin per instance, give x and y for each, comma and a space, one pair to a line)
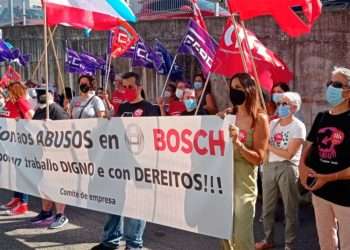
157, 86
57, 63
239, 43
168, 76
263, 104
46, 61
42, 56
108, 71
203, 93
108, 61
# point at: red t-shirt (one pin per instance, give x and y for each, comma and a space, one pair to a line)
117, 99
176, 108
15, 110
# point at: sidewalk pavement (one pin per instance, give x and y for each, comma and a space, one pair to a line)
85, 228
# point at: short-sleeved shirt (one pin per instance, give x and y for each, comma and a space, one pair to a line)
142, 108
17, 109
330, 137
86, 107
280, 136
176, 108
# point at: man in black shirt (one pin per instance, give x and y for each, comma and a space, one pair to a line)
135, 106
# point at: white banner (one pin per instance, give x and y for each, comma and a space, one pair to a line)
173, 171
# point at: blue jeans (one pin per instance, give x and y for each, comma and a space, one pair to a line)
118, 227
23, 197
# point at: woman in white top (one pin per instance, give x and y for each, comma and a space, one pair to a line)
287, 134
87, 104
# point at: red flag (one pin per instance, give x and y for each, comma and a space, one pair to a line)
198, 15
228, 59
10, 75
124, 36
281, 11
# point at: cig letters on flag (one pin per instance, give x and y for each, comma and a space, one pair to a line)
199, 43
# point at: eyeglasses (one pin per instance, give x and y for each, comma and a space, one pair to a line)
335, 84
282, 103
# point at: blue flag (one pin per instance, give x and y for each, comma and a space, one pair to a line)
165, 59
5, 52
72, 61
83, 63
142, 55
200, 44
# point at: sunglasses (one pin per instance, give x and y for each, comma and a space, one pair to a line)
128, 87
335, 84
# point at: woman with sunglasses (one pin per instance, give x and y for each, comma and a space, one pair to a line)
325, 165
250, 139
287, 134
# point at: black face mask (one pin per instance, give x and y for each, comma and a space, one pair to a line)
84, 88
237, 97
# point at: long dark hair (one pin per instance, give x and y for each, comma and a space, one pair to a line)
252, 101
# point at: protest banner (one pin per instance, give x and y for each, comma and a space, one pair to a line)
173, 171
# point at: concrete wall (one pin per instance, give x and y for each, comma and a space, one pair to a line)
311, 57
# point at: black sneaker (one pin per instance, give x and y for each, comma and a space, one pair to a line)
42, 217
103, 247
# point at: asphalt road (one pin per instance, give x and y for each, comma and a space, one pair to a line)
85, 227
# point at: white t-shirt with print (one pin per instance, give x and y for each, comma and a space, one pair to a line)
87, 109
280, 137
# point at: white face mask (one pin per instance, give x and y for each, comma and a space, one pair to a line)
179, 93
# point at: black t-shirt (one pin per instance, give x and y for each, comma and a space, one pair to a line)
201, 111
56, 112
142, 108
330, 153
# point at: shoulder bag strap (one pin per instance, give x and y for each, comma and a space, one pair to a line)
83, 108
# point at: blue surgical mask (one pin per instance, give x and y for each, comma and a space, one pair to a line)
334, 95
283, 111
190, 104
198, 85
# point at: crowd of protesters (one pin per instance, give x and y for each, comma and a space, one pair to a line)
274, 139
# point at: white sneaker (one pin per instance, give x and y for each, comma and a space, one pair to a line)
60, 221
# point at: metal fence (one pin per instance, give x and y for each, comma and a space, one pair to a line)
164, 9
